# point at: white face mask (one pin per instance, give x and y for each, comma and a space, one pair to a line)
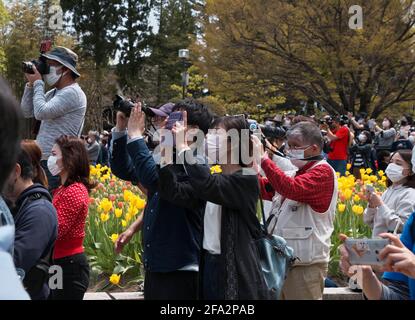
362, 138
394, 172
53, 77
53, 165
297, 154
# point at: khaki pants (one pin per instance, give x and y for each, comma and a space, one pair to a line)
305, 282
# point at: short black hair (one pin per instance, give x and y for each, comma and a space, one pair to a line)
25, 162
198, 114
9, 131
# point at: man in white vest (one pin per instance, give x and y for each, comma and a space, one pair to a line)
306, 211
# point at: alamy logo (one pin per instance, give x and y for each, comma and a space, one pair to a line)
356, 20
55, 14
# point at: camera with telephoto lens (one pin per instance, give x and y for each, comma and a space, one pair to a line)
125, 106
41, 63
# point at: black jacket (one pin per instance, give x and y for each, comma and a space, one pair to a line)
238, 195
36, 226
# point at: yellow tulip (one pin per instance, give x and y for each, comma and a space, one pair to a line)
369, 170
348, 194
349, 166
341, 207
106, 205
127, 195
138, 203
373, 178
362, 172
114, 237
347, 173
338, 174
357, 210
115, 279
381, 173
356, 198
215, 169
118, 213
123, 223
104, 217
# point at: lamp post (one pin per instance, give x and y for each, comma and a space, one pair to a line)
184, 55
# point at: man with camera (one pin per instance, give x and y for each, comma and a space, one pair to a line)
339, 135
172, 234
62, 109
304, 215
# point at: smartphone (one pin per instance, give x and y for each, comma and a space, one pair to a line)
365, 251
173, 118
370, 189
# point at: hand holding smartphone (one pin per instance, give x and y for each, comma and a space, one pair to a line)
365, 251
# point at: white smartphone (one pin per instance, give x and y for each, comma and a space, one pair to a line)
365, 251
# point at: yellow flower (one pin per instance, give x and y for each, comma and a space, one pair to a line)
215, 169
128, 217
357, 210
347, 173
349, 166
338, 174
137, 202
381, 173
118, 213
365, 177
114, 237
369, 171
384, 179
104, 217
127, 195
362, 172
123, 223
356, 198
341, 207
373, 178
106, 205
115, 279
98, 166
348, 194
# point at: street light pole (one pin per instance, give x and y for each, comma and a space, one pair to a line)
184, 55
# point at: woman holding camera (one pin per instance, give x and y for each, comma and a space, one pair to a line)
392, 210
230, 267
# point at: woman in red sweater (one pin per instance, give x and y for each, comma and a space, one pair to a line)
70, 161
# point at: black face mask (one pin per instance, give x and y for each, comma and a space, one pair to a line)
404, 123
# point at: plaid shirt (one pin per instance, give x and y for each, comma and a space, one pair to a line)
310, 186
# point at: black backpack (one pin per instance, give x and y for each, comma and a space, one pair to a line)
38, 275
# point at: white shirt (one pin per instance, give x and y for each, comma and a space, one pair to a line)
212, 228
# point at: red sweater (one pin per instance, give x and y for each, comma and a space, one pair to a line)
71, 204
313, 187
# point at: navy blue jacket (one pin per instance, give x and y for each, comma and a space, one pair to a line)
172, 234
36, 226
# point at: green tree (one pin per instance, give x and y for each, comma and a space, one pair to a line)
96, 23
177, 30
306, 49
134, 36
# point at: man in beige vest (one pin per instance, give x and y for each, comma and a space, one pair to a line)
306, 211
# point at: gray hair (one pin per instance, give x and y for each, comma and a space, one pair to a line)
306, 132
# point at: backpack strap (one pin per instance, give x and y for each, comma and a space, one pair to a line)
413, 231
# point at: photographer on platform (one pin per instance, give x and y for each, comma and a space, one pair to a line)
62, 109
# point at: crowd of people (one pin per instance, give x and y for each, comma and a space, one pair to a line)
199, 227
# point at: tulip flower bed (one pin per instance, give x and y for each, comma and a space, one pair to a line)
352, 202
114, 205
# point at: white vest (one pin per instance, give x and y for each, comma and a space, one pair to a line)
308, 232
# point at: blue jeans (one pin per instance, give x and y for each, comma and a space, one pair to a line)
338, 166
53, 181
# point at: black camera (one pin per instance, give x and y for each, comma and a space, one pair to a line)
123, 105
40, 64
273, 132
